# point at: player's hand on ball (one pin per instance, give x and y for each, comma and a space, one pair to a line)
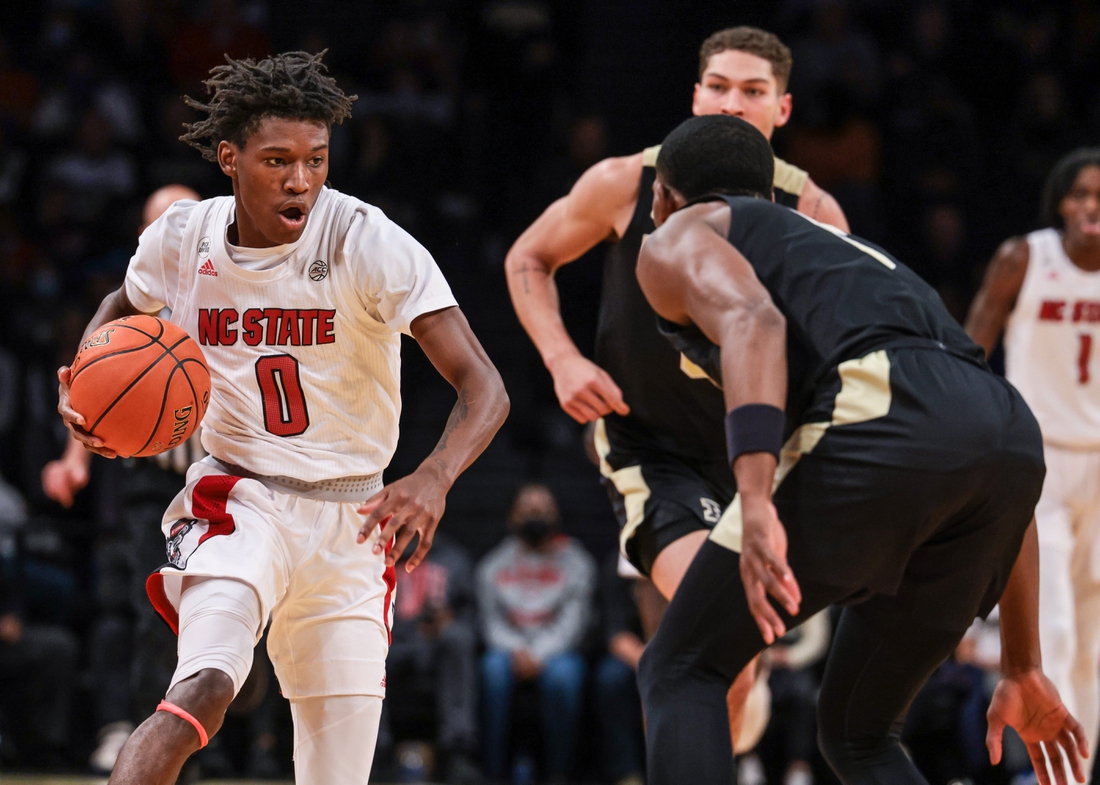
74, 421
585, 390
764, 568
1029, 702
414, 504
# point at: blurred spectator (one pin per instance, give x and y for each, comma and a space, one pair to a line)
535, 596
199, 46
431, 669
617, 702
790, 741
13, 166
37, 661
1042, 128
18, 90
94, 173
836, 53
86, 86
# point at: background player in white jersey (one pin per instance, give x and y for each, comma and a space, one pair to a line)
1043, 291
298, 295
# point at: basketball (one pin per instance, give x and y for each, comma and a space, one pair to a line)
141, 384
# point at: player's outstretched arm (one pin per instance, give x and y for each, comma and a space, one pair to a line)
114, 306
691, 274
1025, 698
414, 504
820, 205
598, 208
995, 300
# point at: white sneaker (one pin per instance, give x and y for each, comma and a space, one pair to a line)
111, 739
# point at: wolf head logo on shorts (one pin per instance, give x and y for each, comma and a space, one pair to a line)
180, 546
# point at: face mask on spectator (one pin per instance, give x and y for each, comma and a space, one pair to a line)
535, 531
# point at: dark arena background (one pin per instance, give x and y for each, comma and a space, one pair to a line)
934, 124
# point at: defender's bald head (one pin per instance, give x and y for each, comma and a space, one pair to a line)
163, 198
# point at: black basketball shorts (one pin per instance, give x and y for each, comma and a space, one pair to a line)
658, 498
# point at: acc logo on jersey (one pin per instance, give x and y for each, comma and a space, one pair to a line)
204, 247
180, 545
318, 270
712, 510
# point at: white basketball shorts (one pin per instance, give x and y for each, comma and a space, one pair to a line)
330, 599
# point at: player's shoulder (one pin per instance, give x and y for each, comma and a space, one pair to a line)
613, 179
1015, 252
165, 234
668, 242
358, 223
181, 210
789, 177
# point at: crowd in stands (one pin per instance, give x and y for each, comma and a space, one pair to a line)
515, 644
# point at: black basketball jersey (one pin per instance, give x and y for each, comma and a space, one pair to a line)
674, 407
842, 297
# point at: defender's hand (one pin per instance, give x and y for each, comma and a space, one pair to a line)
63, 478
412, 504
74, 421
764, 568
585, 390
1029, 702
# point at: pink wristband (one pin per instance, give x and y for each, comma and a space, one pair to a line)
172, 708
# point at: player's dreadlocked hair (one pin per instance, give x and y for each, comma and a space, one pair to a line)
293, 85
1060, 182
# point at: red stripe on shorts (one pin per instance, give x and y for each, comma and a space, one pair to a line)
154, 587
208, 501
390, 578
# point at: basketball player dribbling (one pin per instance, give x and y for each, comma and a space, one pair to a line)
880, 466
298, 296
656, 430
1043, 292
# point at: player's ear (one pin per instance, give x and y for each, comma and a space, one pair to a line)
227, 158
695, 108
783, 110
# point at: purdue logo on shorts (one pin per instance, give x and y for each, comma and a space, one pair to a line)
712, 510
318, 270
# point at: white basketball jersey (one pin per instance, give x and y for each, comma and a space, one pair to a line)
303, 342
1051, 344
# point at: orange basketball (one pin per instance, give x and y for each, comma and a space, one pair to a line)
141, 384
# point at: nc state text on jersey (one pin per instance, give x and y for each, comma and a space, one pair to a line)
270, 326
1083, 311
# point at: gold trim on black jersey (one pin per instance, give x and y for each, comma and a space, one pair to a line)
788, 177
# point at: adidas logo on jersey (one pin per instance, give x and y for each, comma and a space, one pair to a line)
208, 269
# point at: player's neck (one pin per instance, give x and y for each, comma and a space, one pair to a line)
1083, 252
243, 232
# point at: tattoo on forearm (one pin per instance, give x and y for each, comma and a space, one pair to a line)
528, 269
459, 414
817, 205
